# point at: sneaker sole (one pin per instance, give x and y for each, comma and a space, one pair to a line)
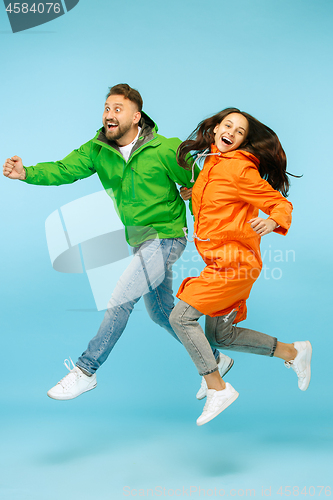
226, 404
308, 360
231, 364
61, 398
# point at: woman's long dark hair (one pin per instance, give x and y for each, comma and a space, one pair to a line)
261, 141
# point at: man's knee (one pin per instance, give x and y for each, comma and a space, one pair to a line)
159, 317
174, 319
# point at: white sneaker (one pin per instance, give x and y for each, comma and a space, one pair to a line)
224, 365
302, 364
73, 384
217, 401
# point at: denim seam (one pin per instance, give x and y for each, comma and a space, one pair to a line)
162, 242
263, 350
208, 373
153, 254
255, 348
171, 249
83, 368
189, 338
130, 283
175, 240
274, 347
116, 313
117, 309
165, 266
158, 299
105, 342
107, 337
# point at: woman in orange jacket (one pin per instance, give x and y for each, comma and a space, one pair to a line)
244, 171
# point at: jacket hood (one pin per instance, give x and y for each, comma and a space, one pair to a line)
238, 154
217, 154
146, 121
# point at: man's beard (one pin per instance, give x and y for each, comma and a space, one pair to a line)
118, 133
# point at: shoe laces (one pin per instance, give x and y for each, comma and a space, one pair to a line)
210, 404
300, 373
72, 376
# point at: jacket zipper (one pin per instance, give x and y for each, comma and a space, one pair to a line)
125, 164
132, 170
133, 191
203, 191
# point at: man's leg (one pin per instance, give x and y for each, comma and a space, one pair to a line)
145, 271
159, 301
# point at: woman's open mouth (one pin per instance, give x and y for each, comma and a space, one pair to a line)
227, 141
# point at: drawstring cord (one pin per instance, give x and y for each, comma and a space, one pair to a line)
185, 234
198, 158
192, 180
194, 236
197, 237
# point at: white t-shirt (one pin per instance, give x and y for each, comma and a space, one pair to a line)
126, 150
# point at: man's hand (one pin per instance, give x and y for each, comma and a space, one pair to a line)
186, 193
263, 226
13, 168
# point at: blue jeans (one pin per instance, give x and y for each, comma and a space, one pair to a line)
149, 275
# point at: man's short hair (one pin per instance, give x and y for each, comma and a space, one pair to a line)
129, 93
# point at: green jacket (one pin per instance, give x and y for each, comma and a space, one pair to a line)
143, 189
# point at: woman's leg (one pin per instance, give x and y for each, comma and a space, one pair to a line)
183, 320
159, 301
287, 352
222, 334
220, 331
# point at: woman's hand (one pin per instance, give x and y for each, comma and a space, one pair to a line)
263, 226
185, 193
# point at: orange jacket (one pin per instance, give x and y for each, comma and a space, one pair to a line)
227, 194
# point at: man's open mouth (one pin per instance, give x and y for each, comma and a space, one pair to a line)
112, 126
226, 141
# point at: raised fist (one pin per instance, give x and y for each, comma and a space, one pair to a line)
13, 168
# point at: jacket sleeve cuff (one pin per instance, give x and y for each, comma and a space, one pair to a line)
26, 175
282, 225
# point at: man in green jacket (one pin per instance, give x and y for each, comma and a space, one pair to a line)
138, 169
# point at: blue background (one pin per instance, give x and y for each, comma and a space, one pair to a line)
189, 59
